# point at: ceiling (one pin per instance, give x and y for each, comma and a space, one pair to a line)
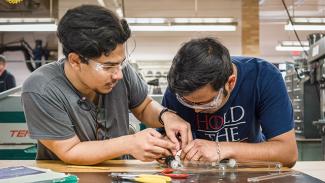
273, 17
163, 45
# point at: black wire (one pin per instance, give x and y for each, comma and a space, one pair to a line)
294, 30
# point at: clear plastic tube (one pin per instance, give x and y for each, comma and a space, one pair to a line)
231, 164
272, 176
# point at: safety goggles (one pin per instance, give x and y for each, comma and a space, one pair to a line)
215, 103
109, 67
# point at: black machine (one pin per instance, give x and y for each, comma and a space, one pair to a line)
32, 56
305, 99
316, 67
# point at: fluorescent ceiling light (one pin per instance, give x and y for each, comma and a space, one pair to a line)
146, 20
294, 43
292, 46
136, 24
184, 28
203, 20
26, 20
28, 28
306, 24
305, 27
182, 24
27, 25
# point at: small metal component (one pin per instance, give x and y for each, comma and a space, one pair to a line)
172, 162
178, 156
232, 163
222, 167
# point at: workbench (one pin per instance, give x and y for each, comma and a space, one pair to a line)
101, 172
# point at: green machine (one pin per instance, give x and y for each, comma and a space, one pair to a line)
14, 138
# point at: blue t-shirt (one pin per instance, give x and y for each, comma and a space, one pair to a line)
258, 108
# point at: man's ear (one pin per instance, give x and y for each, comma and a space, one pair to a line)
232, 81
74, 60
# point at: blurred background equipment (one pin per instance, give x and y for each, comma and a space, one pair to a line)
33, 57
156, 90
316, 62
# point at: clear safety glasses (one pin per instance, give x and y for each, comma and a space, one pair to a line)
215, 103
109, 67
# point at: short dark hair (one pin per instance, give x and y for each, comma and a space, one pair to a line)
3, 59
91, 31
199, 62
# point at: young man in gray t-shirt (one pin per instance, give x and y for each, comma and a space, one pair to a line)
77, 108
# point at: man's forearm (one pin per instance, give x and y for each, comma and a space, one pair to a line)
150, 112
266, 151
93, 152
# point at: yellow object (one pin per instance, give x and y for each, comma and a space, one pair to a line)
145, 178
14, 1
89, 167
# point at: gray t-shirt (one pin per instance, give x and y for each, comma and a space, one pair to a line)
53, 110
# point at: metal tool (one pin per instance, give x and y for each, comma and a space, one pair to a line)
272, 176
144, 178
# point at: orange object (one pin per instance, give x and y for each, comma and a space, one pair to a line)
169, 172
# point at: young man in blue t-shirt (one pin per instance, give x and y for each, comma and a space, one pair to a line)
238, 107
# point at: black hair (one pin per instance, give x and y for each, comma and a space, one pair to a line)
199, 62
91, 31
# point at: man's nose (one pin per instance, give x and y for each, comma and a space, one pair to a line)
117, 75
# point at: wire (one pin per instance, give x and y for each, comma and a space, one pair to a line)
294, 30
134, 46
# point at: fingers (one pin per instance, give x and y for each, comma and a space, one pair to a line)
196, 156
189, 134
173, 138
160, 161
184, 137
154, 133
161, 141
187, 149
173, 151
189, 156
160, 151
159, 145
166, 144
147, 157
